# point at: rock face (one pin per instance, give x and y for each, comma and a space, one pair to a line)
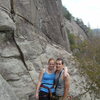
46, 16
32, 31
73, 28
6, 91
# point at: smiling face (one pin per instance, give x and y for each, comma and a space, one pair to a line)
51, 64
59, 65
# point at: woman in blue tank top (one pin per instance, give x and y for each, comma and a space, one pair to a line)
45, 84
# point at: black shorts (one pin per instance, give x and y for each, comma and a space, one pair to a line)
44, 96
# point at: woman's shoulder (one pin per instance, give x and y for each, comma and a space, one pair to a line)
43, 70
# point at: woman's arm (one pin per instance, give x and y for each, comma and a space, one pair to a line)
39, 83
67, 85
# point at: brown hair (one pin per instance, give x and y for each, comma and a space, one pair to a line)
60, 59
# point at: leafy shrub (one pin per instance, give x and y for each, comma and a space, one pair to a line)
89, 59
71, 38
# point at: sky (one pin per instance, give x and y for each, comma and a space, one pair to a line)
87, 10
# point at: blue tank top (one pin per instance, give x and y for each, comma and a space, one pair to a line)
48, 81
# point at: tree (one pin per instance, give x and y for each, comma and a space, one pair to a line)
67, 14
89, 59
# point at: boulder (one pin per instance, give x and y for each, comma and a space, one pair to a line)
6, 91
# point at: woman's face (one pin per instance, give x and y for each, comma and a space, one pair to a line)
51, 64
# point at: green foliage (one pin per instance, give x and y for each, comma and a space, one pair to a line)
89, 58
67, 14
71, 38
79, 21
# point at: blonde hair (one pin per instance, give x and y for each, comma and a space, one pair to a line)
51, 59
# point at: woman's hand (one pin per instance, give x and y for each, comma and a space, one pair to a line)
65, 71
37, 96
